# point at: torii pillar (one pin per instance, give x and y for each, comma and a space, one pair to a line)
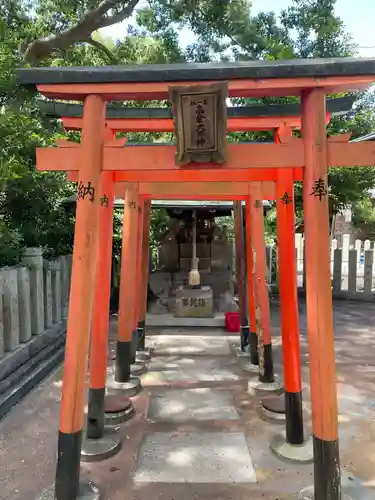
327, 477
67, 485
123, 379
266, 380
138, 362
253, 358
143, 351
292, 445
240, 272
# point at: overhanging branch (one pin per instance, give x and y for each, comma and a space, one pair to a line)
91, 21
103, 48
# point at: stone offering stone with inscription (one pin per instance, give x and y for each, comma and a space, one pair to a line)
194, 302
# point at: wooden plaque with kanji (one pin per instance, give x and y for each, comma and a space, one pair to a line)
200, 117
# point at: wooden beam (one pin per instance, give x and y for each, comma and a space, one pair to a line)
199, 190
56, 109
240, 156
192, 176
237, 88
205, 175
193, 190
208, 189
148, 159
236, 124
345, 155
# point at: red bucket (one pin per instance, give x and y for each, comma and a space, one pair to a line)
232, 322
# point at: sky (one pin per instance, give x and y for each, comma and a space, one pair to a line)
359, 22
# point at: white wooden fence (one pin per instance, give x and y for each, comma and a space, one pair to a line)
352, 268
34, 297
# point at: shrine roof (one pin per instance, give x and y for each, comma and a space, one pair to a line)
367, 137
336, 107
255, 70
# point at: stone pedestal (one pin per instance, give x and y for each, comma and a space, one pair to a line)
194, 302
48, 311
56, 291
65, 273
34, 261
10, 309
24, 310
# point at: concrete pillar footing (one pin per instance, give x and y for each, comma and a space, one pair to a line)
273, 406
250, 368
95, 450
144, 355
352, 489
117, 409
240, 353
256, 385
272, 415
138, 368
308, 494
130, 388
87, 491
149, 350
302, 453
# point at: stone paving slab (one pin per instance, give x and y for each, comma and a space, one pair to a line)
169, 369
197, 404
161, 320
190, 345
196, 457
195, 332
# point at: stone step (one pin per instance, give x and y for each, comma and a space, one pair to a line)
19, 383
24, 370
15, 359
169, 320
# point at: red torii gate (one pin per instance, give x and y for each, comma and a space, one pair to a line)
309, 158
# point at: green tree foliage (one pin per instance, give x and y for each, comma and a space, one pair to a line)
364, 218
30, 209
320, 33
159, 224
